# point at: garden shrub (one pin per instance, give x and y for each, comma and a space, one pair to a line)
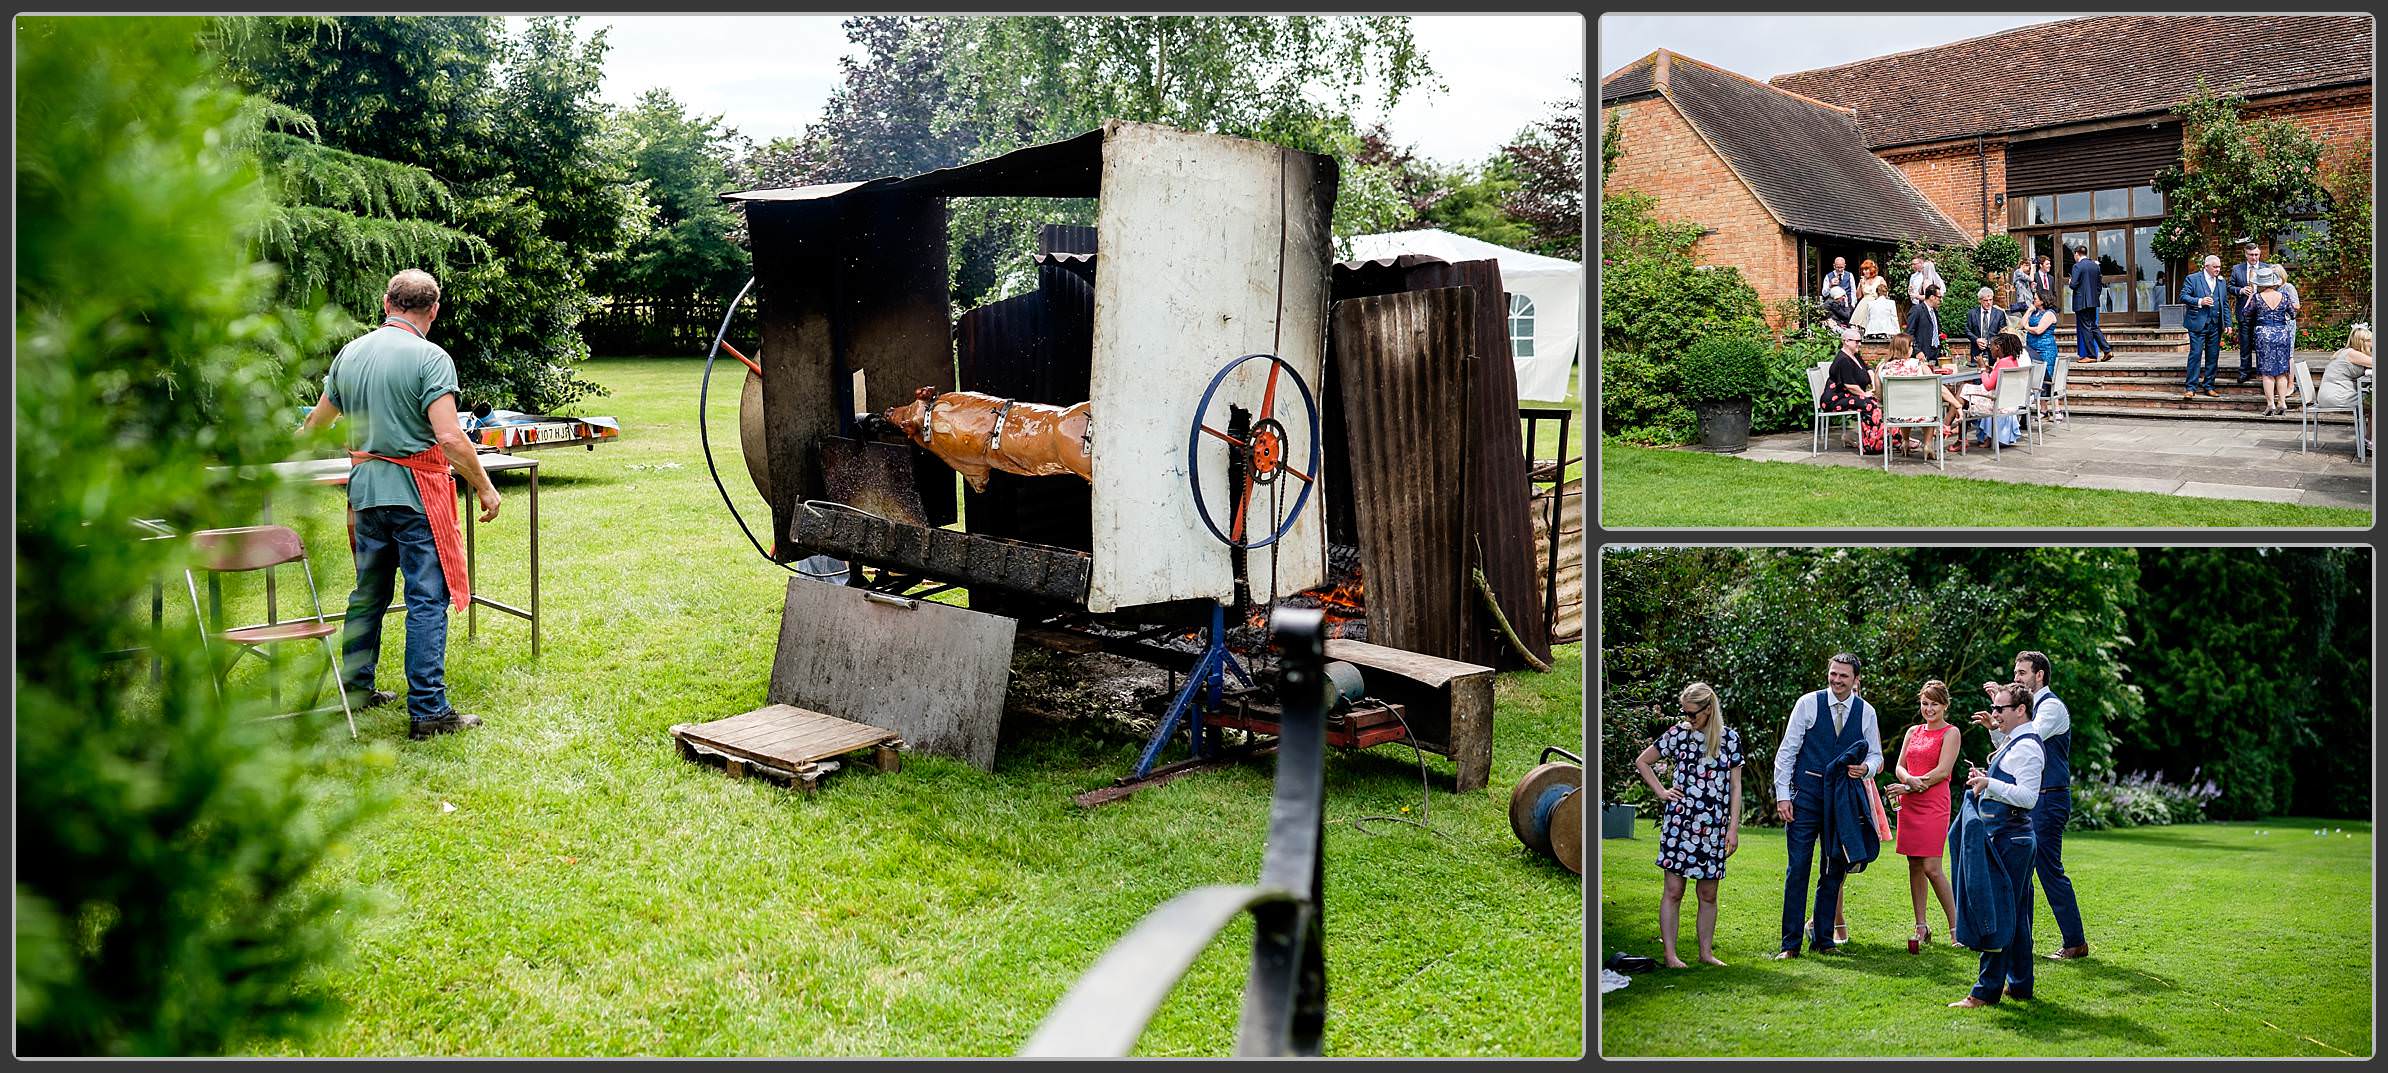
167, 841
1957, 268
1638, 403
1994, 259
1784, 403
1720, 368
2138, 800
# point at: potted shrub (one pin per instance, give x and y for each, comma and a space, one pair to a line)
1616, 820
1719, 376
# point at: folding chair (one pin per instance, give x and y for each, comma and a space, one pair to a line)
2009, 400
263, 547
1824, 417
2031, 397
2053, 403
1912, 402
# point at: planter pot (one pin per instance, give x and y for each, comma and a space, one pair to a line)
1724, 426
2171, 316
1616, 821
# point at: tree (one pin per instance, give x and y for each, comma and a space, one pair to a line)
687, 247
1548, 160
166, 838
513, 129
2236, 177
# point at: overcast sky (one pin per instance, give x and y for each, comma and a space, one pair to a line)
769, 75
1763, 46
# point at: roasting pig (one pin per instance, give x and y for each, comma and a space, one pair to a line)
975, 433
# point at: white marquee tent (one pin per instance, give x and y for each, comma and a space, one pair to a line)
1544, 310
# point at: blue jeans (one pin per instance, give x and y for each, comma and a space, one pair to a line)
2205, 357
2048, 859
1806, 809
398, 540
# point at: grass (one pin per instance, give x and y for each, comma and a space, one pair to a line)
2224, 939
594, 894
1649, 487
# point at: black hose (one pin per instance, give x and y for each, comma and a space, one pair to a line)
704, 388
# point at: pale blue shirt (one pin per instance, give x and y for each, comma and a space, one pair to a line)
1795, 730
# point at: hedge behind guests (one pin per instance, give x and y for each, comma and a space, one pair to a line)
2247, 666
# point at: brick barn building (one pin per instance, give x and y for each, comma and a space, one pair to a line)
2052, 132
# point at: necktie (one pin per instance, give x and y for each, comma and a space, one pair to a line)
1840, 710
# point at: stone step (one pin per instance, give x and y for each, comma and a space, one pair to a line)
2179, 410
2117, 332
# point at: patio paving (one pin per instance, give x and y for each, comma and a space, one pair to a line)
2192, 457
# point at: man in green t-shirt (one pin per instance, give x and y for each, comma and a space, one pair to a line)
399, 388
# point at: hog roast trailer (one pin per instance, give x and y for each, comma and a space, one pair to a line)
1215, 249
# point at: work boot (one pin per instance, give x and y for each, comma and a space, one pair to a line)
370, 699
446, 724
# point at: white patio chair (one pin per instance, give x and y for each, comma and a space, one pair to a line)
2038, 373
1912, 402
2009, 399
1824, 417
2309, 427
2053, 404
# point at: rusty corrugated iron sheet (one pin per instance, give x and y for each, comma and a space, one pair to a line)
1498, 501
1405, 363
1066, 238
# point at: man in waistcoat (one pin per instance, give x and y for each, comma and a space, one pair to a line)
2052, 722
2005, 795
1822, 725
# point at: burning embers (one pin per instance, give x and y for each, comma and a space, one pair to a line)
1344, 596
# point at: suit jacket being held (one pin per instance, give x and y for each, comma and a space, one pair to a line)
1845, 833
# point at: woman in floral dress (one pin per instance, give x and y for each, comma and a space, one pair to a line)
2269, 311
1702, 825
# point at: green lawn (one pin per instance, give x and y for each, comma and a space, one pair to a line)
1648, 487
2233, 939
592, 893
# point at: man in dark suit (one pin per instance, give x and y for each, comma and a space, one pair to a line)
2088, 343
2208, 300
2242, 287
1982, 322
1923, 324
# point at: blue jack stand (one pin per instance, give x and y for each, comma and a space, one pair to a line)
1203, 686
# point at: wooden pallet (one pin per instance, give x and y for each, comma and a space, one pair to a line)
786, 744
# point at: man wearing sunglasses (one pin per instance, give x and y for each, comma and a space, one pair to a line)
2053, 722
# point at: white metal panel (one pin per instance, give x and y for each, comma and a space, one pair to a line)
1212, 248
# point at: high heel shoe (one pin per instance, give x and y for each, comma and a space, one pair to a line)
1921, 939
1840, 933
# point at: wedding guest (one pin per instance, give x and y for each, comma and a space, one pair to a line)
1923, 323
2052, 721
2295, 305
1848, 386
1994, 837
1823, 728
2243, 286
1839, 292
1923, 274
1927, 757
2265, 318
1877, 314
1982, 398
2039, 328
1702, 825
1902, 361
1984, 320
2339, 388
2208, 306
2021, 284
2088, 342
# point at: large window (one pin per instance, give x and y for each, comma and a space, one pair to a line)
1521, 326
2117, 225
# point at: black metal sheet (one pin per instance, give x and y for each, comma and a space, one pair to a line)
872, 476
1037, 347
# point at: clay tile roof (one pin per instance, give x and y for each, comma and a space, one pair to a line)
1632, 80
1803, 159
2087, 68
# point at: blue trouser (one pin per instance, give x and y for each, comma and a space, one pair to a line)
2246, 349
2085, 333
2011, 849
1806, 809
387, 540
2205, 357
2048, 859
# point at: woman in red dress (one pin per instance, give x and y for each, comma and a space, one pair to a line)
1926, 759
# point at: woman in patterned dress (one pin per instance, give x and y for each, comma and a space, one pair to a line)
1702, 826
2269, 312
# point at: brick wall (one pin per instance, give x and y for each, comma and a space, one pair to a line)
2341, 121
1665, 158
1950, 175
